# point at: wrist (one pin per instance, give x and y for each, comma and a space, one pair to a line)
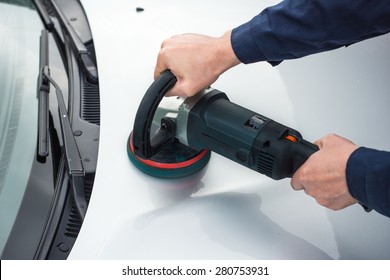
225, 55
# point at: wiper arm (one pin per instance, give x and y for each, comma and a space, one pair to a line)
73, 160
72, 156
82, 51
49, 25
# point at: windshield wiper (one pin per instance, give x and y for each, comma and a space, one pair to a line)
72, 156
50, 26
43, 99
82, 51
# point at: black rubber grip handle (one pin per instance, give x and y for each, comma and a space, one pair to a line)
301, 151
142, 142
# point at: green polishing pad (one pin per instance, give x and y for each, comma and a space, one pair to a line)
174, 161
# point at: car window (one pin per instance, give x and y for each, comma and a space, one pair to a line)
20, 28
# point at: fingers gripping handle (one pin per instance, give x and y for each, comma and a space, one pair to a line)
144, 146
301, 152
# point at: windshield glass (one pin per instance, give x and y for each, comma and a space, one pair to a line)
20, 28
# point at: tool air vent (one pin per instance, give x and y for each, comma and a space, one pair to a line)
265, 163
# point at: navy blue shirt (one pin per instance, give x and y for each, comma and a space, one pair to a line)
296, 28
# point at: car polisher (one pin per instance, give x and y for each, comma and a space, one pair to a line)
152, 146
173, 136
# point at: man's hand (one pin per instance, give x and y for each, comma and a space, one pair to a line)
196, 60
323, 177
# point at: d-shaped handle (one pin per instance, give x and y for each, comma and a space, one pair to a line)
144, 146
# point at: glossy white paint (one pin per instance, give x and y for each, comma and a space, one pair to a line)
227, 211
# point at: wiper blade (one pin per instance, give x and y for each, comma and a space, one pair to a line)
50, 26
72, 156
43, 99
84, 55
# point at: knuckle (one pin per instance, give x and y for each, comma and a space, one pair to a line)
164, 43
162, 53
323, 202
303, 174
295, 184
330, 137
329, 203
310, 191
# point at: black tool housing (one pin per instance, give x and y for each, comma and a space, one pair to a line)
246, 137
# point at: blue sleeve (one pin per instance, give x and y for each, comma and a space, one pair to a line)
368, 178
296, 28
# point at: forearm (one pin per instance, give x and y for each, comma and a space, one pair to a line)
296, 28
368, 178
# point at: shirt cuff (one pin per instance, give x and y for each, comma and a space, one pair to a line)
245, 47
368, 178
356, 176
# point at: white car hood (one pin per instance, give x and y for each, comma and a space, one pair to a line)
228, 211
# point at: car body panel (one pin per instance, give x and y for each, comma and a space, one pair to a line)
227, 211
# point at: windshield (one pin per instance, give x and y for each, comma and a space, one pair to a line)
20, 29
